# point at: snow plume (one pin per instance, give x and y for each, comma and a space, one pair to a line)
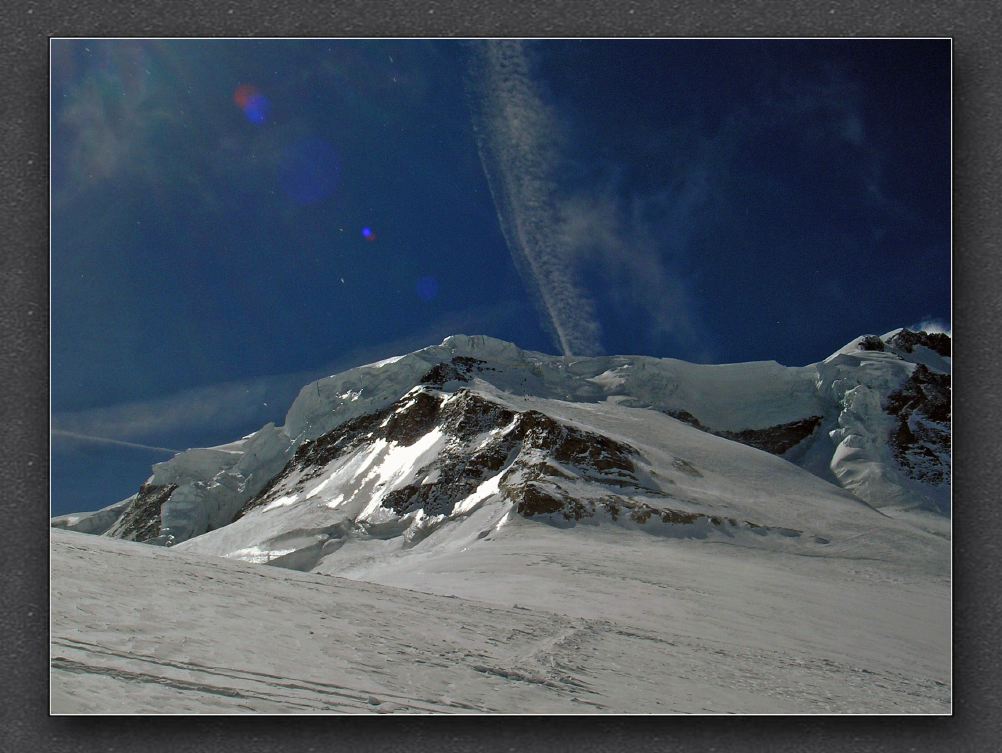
933, 326
519, 152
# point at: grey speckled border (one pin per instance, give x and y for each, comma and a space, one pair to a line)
24, 723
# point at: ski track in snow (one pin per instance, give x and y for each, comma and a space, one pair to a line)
203, 634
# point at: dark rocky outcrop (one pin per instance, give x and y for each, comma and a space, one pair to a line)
540, 459
533, 499
776, 439
404, 422
141, 520
920, 439
527, 436
441, 374
459, 369
686, 417
871, 342
541, 445
906, 340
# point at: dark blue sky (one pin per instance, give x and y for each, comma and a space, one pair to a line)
707, 200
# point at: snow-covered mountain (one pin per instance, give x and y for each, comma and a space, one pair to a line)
741, 537
398, 447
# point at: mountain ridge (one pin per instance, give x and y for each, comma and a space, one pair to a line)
872, 420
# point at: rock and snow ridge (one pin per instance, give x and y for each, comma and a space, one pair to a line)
394, 449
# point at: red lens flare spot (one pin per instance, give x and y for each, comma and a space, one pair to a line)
244, 94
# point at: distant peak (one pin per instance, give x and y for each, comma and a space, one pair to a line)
898, 341
906, 340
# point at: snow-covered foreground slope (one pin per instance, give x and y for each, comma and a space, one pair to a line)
576, 622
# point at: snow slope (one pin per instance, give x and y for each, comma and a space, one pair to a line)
96, 522
659, 476
582, 625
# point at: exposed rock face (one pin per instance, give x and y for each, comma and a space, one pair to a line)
485, 437
459, 369
937, 342
141, 521
543, 466
775, 439
871, 342
464, 463
529, 444
533, 500
686, 417
921, 438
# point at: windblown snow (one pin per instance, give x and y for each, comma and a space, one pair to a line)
477, 528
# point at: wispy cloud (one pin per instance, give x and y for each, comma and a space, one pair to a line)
559, 234
222, 410
519, 149
105, 440
187, 413
107, 119
616, 237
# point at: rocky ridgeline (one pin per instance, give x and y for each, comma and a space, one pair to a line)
485, 438
777, 439
920, 439
876, 415
906, 340
540, 461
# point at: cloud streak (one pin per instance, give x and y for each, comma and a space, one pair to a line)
518, 150
560, 235
226, 409
105, 440
221, 407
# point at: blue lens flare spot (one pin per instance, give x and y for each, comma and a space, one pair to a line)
257, 109
369, 234
427, 288
308, 171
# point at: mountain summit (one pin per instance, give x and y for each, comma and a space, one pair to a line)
396, 449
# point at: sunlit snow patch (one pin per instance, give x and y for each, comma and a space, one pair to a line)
609, 379
289, 499
257, 555
400, 462
384, 362
482, 492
